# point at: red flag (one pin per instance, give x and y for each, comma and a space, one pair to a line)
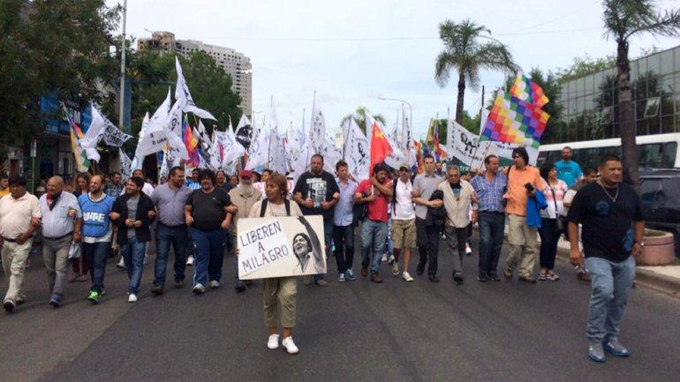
380, 147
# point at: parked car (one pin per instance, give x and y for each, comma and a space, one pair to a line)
660, 194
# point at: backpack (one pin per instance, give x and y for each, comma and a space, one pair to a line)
263, 207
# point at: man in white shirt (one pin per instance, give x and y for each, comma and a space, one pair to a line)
61, 223
403, 221
19, 217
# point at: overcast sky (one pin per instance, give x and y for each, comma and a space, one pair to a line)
353, 51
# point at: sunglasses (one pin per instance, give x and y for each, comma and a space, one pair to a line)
403, 169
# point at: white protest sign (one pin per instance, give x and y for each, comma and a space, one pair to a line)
281, 247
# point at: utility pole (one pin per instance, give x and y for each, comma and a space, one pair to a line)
121, 109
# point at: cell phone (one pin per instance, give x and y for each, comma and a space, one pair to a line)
529, 187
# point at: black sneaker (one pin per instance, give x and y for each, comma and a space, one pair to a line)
492, 277
458, 278
157, 290
433, 278
240, 288
482, 278
9, 306
420, 269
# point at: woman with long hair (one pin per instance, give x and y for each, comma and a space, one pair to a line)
280, 302
550, 231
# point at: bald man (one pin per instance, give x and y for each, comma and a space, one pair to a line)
61, 223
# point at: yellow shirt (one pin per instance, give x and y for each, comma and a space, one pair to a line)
16, 214
517, 202
4, 192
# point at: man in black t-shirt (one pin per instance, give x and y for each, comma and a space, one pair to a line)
610, 214
317, 192
208, 213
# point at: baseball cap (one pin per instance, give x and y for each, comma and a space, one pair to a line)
246, 174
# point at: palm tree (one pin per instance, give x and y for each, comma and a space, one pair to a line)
624, 19
359, 117
466, 54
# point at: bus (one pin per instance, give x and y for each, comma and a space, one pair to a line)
659, 151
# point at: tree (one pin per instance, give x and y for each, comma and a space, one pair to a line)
152, 74
467, 55
58, 48
359, 117
624, 19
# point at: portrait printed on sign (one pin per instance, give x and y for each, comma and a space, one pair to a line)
280, 247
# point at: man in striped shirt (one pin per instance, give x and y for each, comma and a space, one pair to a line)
489, 187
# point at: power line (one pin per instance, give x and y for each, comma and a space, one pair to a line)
376, 39
556, 19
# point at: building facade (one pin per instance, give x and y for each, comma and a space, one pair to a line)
236, 64
590, 103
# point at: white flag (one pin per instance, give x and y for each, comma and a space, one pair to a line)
277, 153
331, 155
463, 145
113, 136
258, 153
138, 160
184, 98
232, 151
155, 139
244, 132
125, 163
317, 132
93, 134
357, 152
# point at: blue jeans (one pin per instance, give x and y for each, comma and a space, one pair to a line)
97, 254
179, 238
343, 237
491, 226
373, 237
610, 285
133, 255
209, 255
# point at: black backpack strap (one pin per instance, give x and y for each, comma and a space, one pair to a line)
263, 207
287, 203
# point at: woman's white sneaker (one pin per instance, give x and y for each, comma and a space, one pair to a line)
132, 298
290, 345
407, 277
273, 342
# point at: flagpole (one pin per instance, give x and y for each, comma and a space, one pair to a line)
121, 109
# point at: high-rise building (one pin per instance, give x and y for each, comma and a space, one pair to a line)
236, 64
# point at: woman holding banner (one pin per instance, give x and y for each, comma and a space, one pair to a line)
279, 293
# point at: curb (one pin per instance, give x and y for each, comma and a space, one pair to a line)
648, 279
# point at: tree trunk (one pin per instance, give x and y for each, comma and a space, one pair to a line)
461, 98
627, 116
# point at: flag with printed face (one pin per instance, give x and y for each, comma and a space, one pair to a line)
184, 97
317, 131
356, 151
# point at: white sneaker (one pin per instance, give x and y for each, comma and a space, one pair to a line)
273, 342
199, 289
407, 277
121, 263
214, 284
384, 257
132, 298
468, 250
395, 268
190, 261
290, 345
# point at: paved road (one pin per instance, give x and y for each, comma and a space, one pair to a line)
358, 331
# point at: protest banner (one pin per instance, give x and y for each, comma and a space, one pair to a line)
281, 247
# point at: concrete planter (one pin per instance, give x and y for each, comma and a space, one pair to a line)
659, 249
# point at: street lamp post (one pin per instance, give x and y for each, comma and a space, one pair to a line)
121, 109
410, 108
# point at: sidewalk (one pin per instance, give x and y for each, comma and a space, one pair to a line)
665, 279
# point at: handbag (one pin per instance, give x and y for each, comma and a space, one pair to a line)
559, 224
74, 252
